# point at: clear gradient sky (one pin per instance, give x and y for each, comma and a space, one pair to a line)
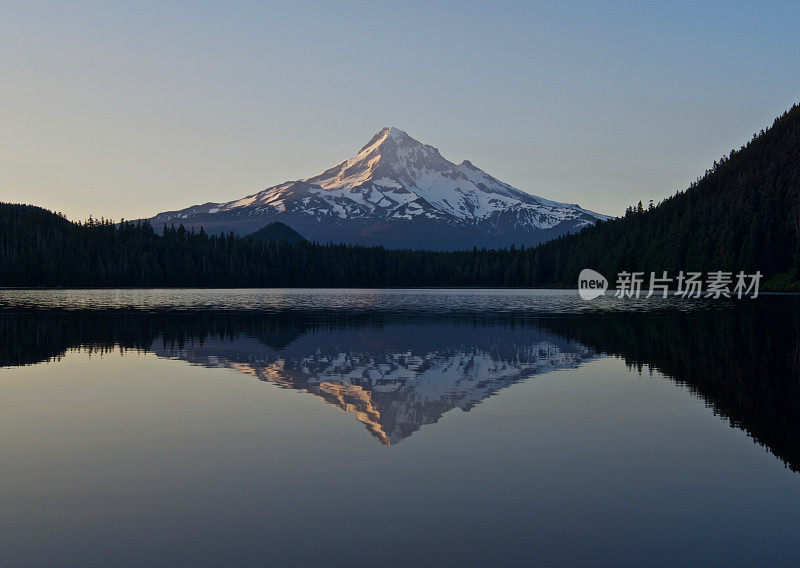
126, 109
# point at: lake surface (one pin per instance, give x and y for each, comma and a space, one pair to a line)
397, 428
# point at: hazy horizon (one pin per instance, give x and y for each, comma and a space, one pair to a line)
137, 108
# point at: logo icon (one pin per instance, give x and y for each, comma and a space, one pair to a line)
591, 284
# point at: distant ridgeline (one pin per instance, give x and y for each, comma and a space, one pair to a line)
744, 214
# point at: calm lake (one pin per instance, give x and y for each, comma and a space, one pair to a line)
397, 428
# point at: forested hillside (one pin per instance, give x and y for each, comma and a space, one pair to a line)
277, 232
743, 214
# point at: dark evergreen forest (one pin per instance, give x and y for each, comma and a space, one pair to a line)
743, 214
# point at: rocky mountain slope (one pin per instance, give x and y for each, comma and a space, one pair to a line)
399, 193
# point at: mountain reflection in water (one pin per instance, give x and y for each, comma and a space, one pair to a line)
395, 379
397, 374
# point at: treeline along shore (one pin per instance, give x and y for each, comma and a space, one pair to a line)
743, 214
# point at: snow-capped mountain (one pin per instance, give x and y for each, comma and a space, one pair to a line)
396, 192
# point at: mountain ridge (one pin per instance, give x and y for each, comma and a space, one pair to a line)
400, 193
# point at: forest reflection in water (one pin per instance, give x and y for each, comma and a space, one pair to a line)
397, 373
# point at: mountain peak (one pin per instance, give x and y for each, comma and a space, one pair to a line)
394, 133
398, 185
391, 154
387, 133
